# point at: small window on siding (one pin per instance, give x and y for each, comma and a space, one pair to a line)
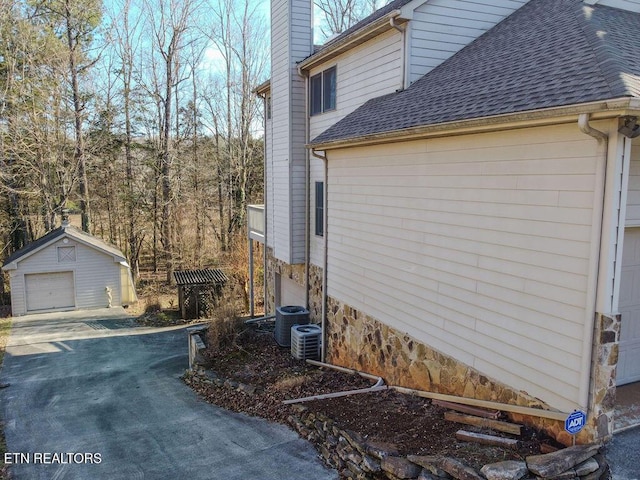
320, 208
66, 254
323, 87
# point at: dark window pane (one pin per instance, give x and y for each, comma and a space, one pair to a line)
320, 208
329, 89
316, 94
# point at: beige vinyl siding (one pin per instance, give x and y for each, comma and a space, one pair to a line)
440, 28
631, 5
280, 67
291, 42
633, 194
478, 246
269, 187
92, 271
365, 72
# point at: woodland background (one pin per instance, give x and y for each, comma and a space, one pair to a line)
139, 116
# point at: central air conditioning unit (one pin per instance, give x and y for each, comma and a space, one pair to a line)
286, 317
306, 341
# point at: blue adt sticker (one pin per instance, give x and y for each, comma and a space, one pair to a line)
575, 422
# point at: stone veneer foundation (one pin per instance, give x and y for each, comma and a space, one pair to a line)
358, 341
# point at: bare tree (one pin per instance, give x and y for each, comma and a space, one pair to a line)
170, 24
338, 15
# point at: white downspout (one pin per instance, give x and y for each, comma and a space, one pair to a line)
597, 238
325, 248
403, 70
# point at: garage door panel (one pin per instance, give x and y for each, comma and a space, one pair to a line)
629, 353
49, 291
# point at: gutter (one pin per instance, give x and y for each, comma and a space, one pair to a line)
549, 116
342, 44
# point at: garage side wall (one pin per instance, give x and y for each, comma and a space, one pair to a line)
478, 246
92, 269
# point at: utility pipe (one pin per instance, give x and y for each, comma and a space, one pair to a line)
375, 388
307, 189
344, 370
325, 247
403, 40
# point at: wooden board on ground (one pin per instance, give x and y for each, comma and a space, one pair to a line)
480, 412
486, 439
498, 425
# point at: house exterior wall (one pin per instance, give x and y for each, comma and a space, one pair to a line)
92, 270
479, 246
364, 72
440, 28
290, 42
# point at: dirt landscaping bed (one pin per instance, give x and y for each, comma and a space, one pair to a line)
254, 375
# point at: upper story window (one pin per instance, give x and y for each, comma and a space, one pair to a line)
323, 91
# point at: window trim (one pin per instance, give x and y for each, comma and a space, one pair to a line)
322, 105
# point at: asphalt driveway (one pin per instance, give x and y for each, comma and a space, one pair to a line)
92, 396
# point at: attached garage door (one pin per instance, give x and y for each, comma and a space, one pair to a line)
629, 359
49, 291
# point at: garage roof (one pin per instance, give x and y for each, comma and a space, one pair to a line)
68, 231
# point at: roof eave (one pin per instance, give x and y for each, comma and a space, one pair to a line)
548, 116
341, 45
263, 88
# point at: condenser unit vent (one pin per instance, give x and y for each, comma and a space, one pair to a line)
286, 317
306, 341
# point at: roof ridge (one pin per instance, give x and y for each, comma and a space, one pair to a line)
603, 53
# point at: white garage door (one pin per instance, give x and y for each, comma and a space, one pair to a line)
49, 291
629, 359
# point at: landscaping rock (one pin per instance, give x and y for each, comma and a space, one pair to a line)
510, 470
458, 470
430, 464
400, 467
553, 464
381, 450
585, 468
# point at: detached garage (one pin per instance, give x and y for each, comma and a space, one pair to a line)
68, 269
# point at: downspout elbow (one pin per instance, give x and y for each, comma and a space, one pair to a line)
583, 124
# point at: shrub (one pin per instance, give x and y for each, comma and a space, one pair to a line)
225, 327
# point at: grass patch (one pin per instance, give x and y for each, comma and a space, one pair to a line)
5, 329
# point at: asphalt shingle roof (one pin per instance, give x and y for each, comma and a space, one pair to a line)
549, 53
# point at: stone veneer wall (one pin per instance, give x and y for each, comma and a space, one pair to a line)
295, 273
358, 341
606, 340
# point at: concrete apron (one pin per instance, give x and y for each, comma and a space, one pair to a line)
93, 396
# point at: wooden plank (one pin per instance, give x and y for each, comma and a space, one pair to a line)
480, 412
486, 439
506, 427
505, 407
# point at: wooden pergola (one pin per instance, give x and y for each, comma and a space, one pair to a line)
192, 284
